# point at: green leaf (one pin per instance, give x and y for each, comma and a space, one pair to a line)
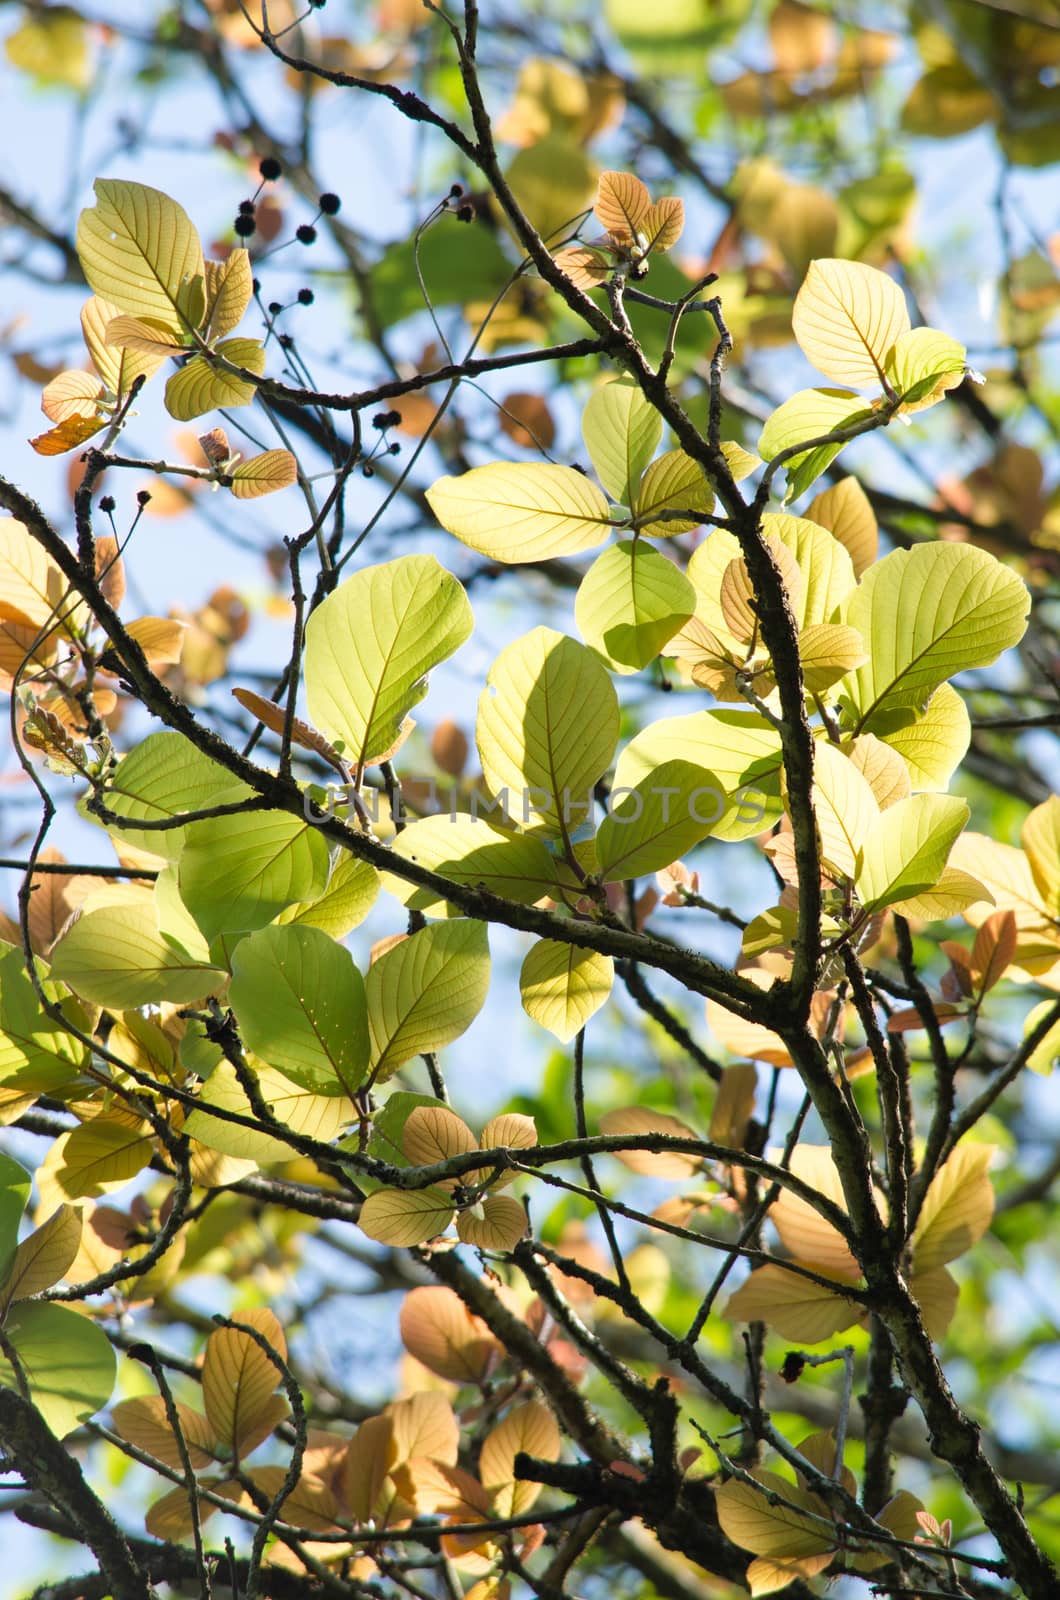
405, 1217
471, 850
621, 430
300, 1004
352, 891
673, 483
162, 777
923, 365
808, 415
664, 815
523, 512
67, 1360
35, 1052
116, 956
370, 644
15, 1186
739, 748
139, 250
425, 992
926, 614
630, 603
547, 725
844, 806
317, 1116
237, 872
932, 742
907, 847
199, 387
453, 274
562, 986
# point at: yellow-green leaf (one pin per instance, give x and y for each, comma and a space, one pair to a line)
907, 848
139, 250
846, 319
630, 603
923, 365
658, 820
237, 872
406, 1217
740, 748
810, 414
933, 742
229, 286
200, 387
526, 512
957, 1209
44, 1257
621, 430
300, 1002
829, 650
926, 614
547, 726
318, 1116
673, 483
117, 957
470, 850
845, 808
370, 646
425, 992
562, 986
787, 1532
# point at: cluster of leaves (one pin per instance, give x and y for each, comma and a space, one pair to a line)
211, 1016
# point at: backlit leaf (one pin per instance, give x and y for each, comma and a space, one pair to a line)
229, 287
437, 1328
143, 1422
370, 646
264, 474
926, 614
739, 747
162, 776
426, 992
317, 1116
844, 806
116, 956
562, 986
238, 871
530, 1429
621, 430
845, 511
622, 202
138, 249
672, 483
809, 415
525, 512
546, 731
406, 1217
470, 850
828, 651
663, 223
658, 821
67, 1359
42, 1259
786, 1531
239, 1380
793, 1306
846, 319
957, 1209
301, 1006
630, 603
199, 387
923, 366
496, 1223
637, 1121
907, 848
